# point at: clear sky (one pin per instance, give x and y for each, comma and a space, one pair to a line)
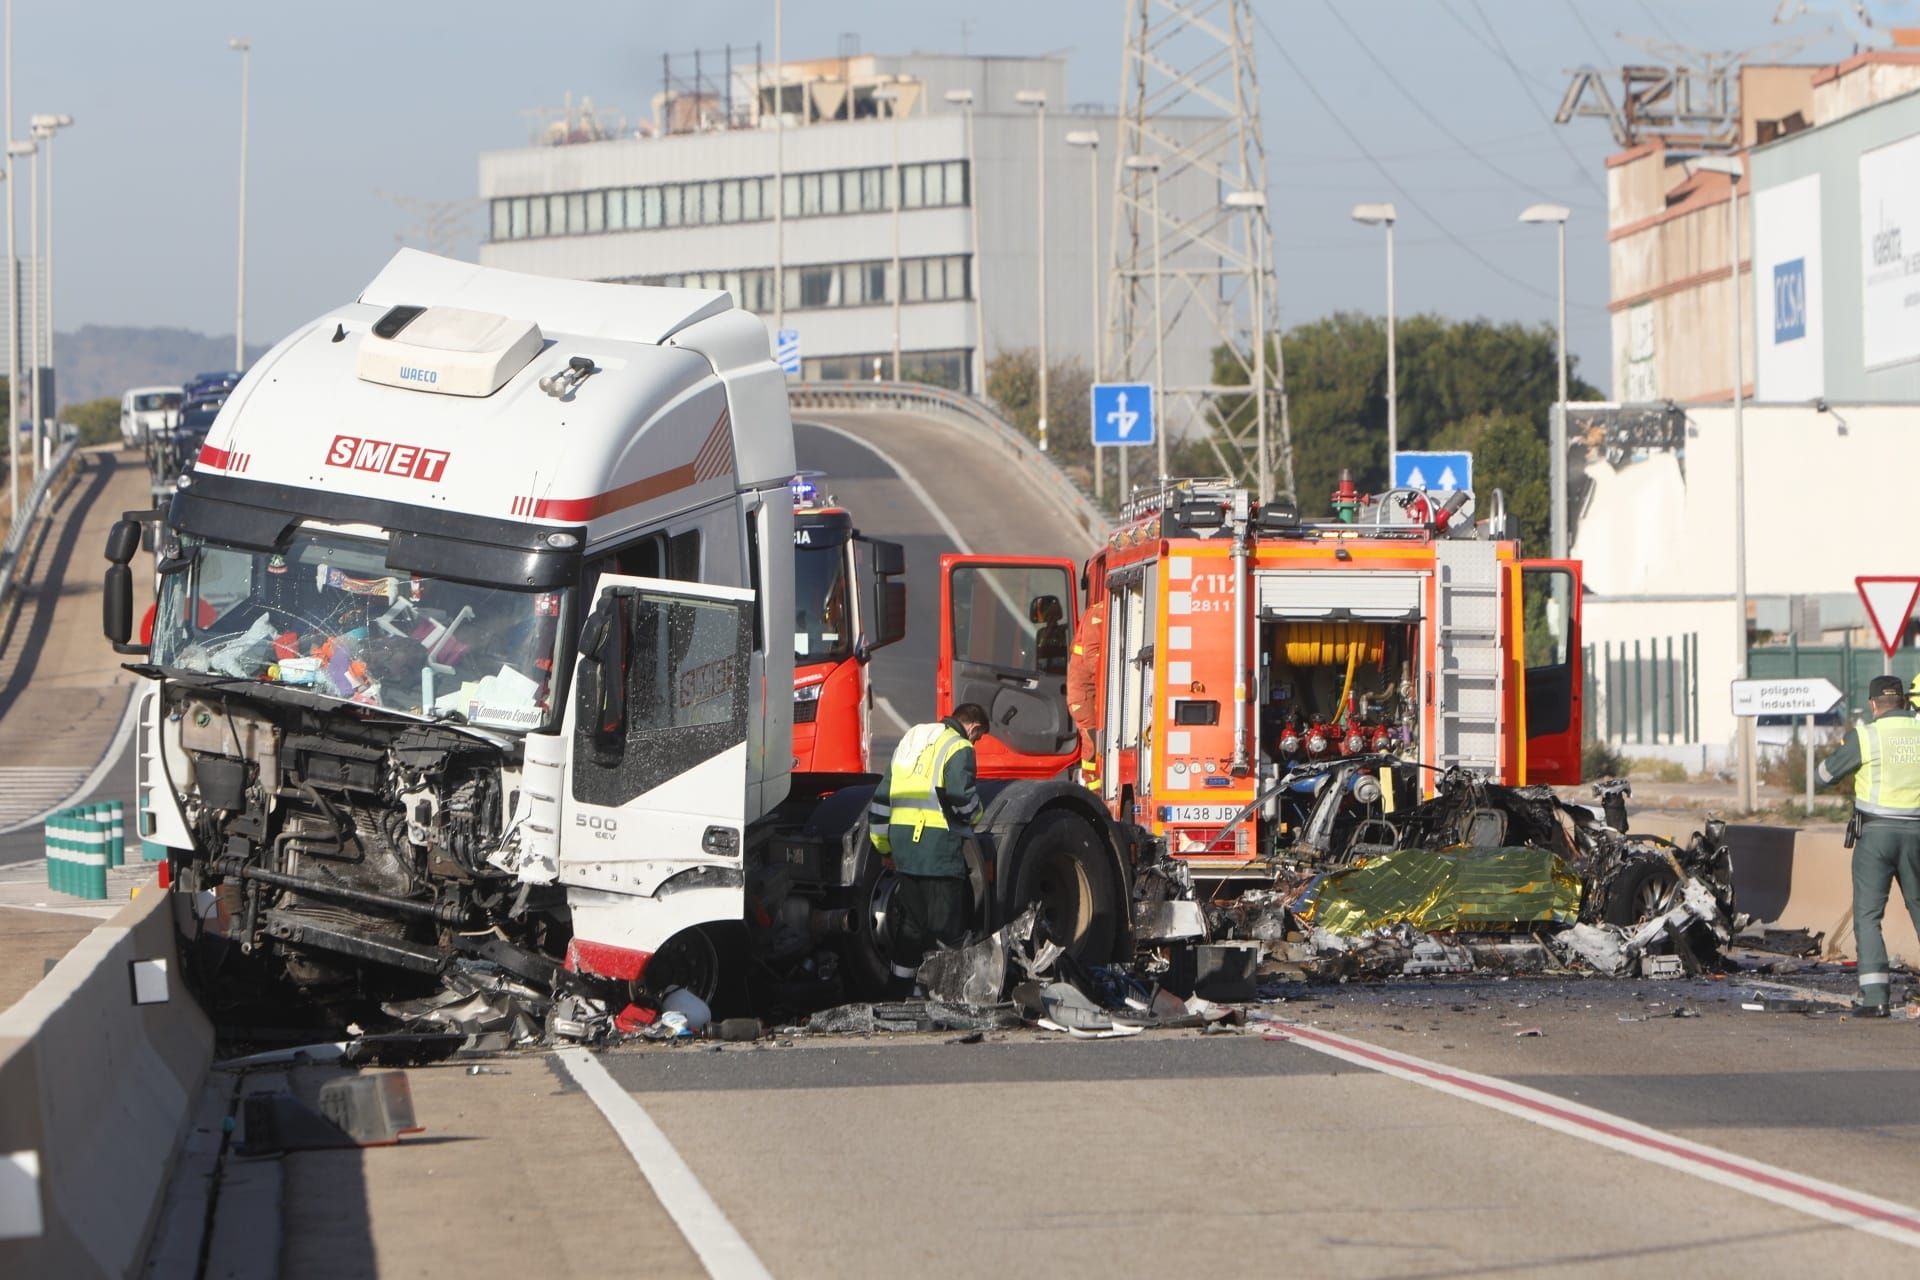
354, 102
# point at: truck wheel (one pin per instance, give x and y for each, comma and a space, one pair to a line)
869, 974
1646, 889
1062, 865
689, 959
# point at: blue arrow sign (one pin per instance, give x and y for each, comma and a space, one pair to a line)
1433, 472
1122, 413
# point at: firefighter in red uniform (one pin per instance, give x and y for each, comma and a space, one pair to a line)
1084, 668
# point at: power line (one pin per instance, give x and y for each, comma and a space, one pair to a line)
1386, 175
1658, 25
1545, 117
1580, 18
1513, 180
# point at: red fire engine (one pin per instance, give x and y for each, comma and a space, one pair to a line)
1263, 672
848, 601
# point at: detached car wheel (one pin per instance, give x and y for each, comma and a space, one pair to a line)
1644, 890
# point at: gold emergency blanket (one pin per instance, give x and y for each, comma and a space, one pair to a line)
1440, 892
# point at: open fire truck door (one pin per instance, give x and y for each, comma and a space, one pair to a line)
1550, 652
1006, 630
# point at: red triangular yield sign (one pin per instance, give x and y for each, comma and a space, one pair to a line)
1889, 603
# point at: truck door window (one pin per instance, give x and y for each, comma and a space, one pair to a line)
686, 697
683, 556
1010, 639
1546, 614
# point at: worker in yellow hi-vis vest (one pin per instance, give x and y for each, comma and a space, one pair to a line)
1884, 757
920, 818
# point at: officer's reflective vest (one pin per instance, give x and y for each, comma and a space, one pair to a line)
919, 766
1888, 784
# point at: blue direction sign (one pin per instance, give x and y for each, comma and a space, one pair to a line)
786, 350
1434, 472
1122, 413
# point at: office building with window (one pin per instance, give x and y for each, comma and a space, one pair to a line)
690, 199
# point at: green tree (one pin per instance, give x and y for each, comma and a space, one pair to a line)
1462, 384
98, 421
1013, 387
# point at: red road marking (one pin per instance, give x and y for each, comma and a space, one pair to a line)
1635, 1135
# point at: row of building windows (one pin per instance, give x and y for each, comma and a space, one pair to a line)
841, 284
950, 369
933, 185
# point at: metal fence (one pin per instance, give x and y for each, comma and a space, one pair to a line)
36, 502
1848, 665
1644, 691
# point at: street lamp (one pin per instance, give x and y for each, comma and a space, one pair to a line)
1374, 215
1557, 437
963, 98
1150, 166
1255, 203
892, 97
1090, 139
244, 48
1733, 168
779, 176
45, 126
35, 410
14, 151
1038, 101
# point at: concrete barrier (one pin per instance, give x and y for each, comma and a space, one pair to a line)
96, 1090
1797, 880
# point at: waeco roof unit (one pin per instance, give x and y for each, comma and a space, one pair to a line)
450, 350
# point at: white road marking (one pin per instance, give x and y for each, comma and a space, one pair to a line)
891, 712
21, 805
720, 1248
1884, 1218
913, 486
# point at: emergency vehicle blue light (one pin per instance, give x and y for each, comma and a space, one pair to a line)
805, 492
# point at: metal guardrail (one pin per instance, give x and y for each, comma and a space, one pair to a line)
970, 415
23, 524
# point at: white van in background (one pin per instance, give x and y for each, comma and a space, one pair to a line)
145, 408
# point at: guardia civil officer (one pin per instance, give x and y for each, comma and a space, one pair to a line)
1884, 756
919, 820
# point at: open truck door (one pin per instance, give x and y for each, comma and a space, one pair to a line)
654, 816
1006, 630
1554, 690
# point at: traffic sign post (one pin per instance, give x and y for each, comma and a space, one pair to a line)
786, 351
1807, 696
1795, 696
1123, 413
1431, 472
1889, 604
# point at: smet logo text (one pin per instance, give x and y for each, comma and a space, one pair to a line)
360, 453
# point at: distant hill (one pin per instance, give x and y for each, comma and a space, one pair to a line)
104, 360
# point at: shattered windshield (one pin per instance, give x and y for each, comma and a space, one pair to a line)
327, 615
823, 620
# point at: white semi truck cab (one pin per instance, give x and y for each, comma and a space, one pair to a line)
471, 658
373, 733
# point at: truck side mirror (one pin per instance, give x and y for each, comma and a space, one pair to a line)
123, 540
889, 558
602, 680
890, 612
116, 608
